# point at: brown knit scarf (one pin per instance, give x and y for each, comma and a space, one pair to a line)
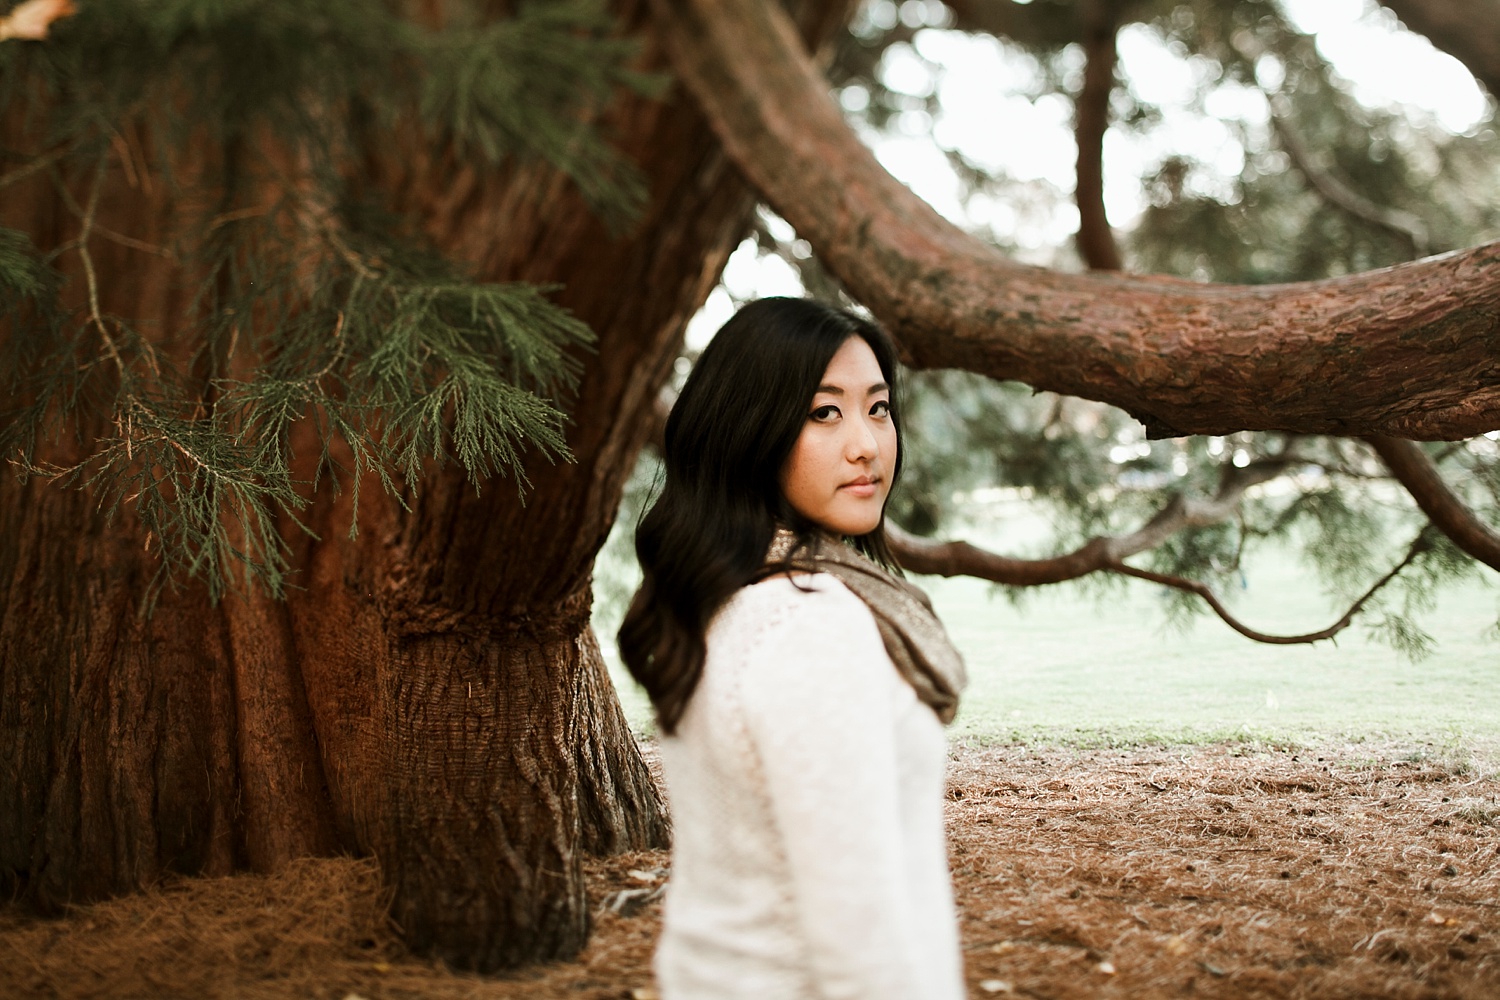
914, 638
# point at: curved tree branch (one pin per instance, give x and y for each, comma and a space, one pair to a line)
1448, 513
1333, 190
1100, 553
1407, 351
1203, 590
1462, 28
1096, 241
1108, 554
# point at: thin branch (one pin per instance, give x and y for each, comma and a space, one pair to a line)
249, 212
1203, 590
335, 358
134, 244
92, 279
32, 166
1407, 225
1096, 240
956, 558
1107, 555
1444, 508
87, 216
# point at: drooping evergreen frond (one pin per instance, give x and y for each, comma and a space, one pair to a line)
23, 275
462, 363
308, 303
526, 85
516, 84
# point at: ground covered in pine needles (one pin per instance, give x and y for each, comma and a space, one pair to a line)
1221, 871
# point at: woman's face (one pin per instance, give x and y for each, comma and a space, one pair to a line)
838, 474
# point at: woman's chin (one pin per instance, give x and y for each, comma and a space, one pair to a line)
850, 523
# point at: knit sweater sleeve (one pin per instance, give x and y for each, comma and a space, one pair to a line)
821, 713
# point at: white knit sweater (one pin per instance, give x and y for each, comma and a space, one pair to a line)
806, 788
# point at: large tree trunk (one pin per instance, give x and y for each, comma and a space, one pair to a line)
432, 692
118, 734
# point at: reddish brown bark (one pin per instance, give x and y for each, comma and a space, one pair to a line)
433, 591
119, 760
1408, 350
284, 804
118, 753
431, 693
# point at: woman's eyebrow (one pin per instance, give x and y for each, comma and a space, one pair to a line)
834, 390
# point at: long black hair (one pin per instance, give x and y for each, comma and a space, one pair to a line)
727, 439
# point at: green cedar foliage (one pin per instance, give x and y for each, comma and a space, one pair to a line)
321, 306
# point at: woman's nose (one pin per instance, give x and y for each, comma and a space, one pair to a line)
861, 445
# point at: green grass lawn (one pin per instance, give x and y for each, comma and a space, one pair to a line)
1067, 666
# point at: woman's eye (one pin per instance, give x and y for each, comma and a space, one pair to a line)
881, 409
823, 414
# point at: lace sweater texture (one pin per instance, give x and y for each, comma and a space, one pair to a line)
806, 788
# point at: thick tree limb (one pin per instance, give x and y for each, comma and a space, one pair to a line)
1465, 29
1096, 240
1410, 351
1444, 508
1407, 225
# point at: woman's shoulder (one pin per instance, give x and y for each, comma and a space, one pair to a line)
783, 602
798, 590
809, 637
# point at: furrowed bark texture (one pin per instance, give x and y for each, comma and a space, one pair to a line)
117, 734
1410, 351
429, 591
434, 694
121, 756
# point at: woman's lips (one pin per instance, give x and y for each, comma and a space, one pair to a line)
861, 487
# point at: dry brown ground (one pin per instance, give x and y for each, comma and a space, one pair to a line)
1202, 872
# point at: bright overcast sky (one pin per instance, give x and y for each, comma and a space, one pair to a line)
981, 86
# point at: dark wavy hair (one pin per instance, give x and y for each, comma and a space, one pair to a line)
728, 437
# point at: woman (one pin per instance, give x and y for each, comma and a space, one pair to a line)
800, 686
